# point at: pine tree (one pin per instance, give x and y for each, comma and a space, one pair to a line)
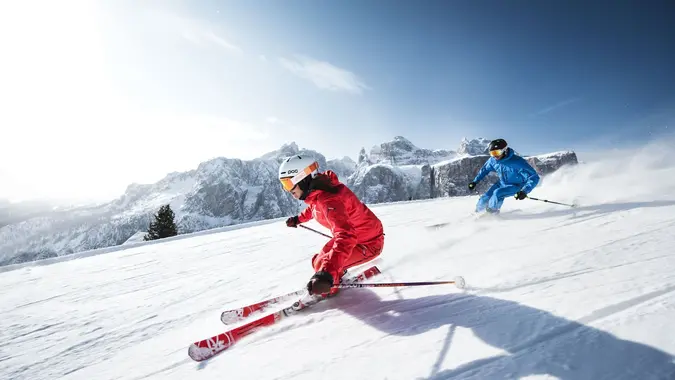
163, 225
432, 183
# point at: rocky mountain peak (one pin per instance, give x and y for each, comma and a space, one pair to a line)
285, 150
402, 151
473, 147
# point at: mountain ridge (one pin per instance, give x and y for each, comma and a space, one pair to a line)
224, 191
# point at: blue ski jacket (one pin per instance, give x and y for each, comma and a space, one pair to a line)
512, 170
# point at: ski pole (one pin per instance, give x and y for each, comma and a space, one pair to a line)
547, 201
328, 236
313, 230
459, 282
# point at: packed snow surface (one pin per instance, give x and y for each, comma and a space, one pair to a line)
553, 293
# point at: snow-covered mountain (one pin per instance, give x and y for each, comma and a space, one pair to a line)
220, 192
552, 293
474, 147
422, 173
401, 151
17, 211
225, 191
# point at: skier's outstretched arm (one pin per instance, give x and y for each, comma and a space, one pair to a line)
527, 171
532, 181
484, 170
306, 215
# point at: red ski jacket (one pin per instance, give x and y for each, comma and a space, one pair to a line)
350, 220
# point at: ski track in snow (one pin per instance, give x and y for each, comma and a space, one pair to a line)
553, 292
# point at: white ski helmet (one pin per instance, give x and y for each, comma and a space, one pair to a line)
296, 168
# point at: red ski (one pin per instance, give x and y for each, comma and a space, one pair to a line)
239, 314
242, 313
207, 348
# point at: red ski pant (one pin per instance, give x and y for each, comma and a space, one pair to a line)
362, 253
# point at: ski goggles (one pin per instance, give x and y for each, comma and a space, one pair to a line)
289, 183
496, 152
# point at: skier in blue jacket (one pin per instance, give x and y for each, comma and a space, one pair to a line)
516, 177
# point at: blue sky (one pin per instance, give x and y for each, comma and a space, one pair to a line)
547, 76
240, 78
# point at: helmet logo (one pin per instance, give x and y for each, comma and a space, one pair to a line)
292, 171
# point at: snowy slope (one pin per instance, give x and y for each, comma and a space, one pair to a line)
554, 293
136, 238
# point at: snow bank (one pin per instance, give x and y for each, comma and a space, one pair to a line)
135, 238
646, 172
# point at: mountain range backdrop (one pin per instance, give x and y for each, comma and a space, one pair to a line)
227, 191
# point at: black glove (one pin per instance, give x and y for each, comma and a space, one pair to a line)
472, 185
320, 283
292, 222
521, 195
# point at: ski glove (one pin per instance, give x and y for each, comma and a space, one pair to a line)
472, 185
292, 222
521, 195
320, 283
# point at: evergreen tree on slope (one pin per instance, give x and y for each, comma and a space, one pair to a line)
163, 226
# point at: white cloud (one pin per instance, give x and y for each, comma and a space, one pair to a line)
556, 106
324, 75
198, 32
203, 36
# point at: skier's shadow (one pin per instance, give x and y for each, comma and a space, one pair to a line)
537, 342
589, 211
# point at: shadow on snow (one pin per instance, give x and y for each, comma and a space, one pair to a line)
537, 342
588, 211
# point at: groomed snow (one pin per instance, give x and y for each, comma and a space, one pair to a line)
555, 293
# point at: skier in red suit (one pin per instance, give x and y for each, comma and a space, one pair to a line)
358, 236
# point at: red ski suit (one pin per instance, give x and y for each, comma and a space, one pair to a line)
358, 235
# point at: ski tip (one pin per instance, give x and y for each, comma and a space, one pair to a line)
199, 354
460, 282
230, 317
